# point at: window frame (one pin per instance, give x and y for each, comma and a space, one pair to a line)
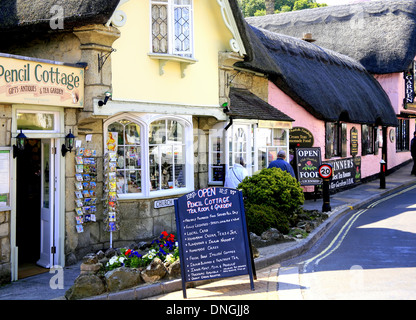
144, 121
171, 51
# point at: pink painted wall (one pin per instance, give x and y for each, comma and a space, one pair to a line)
393, 84
370, 164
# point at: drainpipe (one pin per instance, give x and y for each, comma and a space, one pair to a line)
229, 124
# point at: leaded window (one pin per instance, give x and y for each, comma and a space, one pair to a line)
172, 27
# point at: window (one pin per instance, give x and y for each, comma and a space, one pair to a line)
41, 121
270, 142
367, 139
256, 146
335, 139
166, 155
172, 27
152, 157
402, 135
128, 165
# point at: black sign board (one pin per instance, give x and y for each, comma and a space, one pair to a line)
409, 85
347, 172
212, 234
308, 161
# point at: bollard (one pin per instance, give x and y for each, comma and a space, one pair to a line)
382, 174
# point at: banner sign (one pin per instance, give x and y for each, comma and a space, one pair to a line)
347, 172
212, 234
308, 161
34, 82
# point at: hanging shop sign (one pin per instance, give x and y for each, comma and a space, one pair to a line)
409, 85
308, 161
36, 82
346, 172
212, 235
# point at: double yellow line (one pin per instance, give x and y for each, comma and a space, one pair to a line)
339, 238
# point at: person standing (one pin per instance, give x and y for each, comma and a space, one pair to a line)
413, 151
281, 163
236, 174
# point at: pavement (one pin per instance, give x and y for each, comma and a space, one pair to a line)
46, 286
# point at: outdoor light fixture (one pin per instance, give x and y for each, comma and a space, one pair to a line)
69, 143
20, 144
107, 96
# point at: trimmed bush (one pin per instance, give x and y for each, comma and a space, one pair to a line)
271, 199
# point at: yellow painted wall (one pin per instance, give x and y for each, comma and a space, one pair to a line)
136, 76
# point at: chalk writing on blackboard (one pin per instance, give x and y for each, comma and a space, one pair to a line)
213, 235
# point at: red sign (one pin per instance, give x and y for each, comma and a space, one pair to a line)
325, 171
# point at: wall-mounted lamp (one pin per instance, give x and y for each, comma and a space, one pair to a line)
107, 96
20, 144
69, 143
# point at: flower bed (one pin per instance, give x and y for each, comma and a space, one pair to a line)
165, 248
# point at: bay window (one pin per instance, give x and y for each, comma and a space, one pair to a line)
154, 154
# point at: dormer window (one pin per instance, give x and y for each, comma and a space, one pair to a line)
172, 27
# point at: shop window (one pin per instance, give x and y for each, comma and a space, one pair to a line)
129, 156
270, 142
172, 27
166, 155
335, 139
256, 146
151, 155
402, 135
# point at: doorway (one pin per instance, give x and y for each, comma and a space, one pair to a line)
35, 206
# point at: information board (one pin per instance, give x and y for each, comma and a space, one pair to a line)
212, 234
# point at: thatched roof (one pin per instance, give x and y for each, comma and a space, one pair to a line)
246, 105
381, 35
327, 84
35, 15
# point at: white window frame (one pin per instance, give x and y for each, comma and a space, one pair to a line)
252, 147
144, 121
56, 121
171, 30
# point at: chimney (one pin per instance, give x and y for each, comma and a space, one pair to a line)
269, 6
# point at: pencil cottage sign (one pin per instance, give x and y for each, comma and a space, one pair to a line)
37, 82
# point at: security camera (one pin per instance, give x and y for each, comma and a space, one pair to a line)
107, 96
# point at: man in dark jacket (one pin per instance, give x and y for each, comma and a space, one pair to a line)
281, 163
413, 150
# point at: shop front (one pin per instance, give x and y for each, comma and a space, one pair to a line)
34, 95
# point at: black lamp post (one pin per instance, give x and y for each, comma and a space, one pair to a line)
69, 143
20, 144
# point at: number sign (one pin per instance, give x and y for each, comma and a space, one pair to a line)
325, 171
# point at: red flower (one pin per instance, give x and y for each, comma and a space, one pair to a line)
127, 253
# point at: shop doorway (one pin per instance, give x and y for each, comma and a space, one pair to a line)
35, 206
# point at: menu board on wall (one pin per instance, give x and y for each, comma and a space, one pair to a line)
212, 233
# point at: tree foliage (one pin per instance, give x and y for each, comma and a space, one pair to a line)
257, 7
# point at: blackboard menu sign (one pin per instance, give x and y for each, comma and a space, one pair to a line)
212, 234
308, 161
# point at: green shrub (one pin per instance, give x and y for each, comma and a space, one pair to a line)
271, 192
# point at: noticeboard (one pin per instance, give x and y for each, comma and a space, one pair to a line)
212, 234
